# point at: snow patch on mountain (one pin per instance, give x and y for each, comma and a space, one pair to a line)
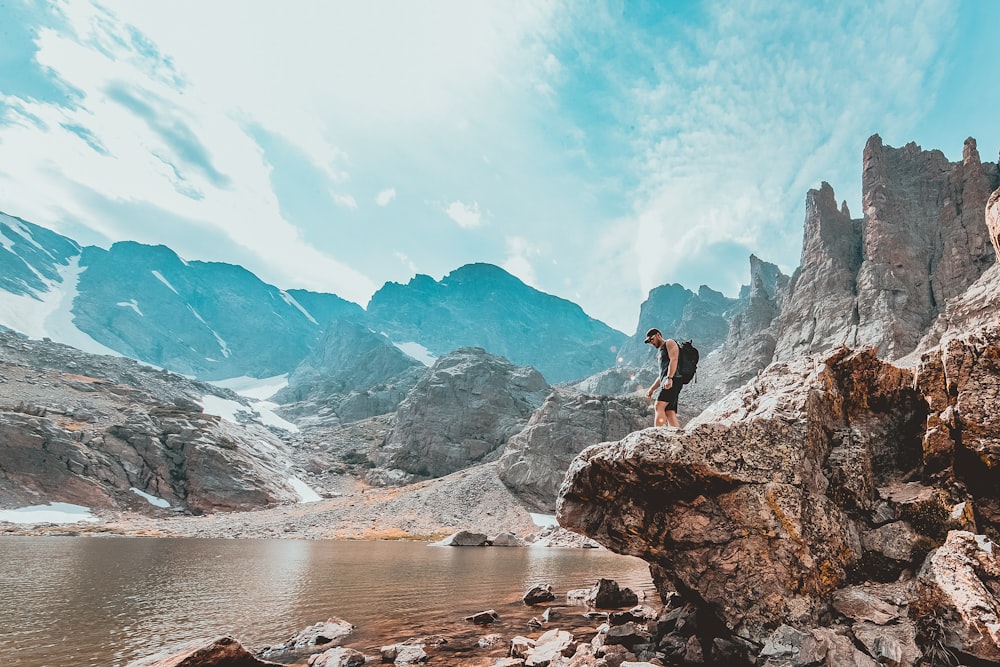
260, 411
290, 300
255, 388
131, 303
159, 276
418, 352
305, 492
49, 314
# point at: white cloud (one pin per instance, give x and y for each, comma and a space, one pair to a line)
732, 135
690, 146
170, 144
467, 216
407, 262
347, 201
520, 252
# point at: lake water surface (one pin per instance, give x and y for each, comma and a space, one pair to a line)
75, 601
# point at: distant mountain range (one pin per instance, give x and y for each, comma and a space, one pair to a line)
212, 320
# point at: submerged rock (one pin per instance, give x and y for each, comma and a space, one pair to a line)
465, 538
337, 657
539, 594
221, 652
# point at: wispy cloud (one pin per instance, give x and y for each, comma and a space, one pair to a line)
765, 105
602, 148
520, 257
468, 216
347, 201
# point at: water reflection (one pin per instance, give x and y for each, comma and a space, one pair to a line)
106, 601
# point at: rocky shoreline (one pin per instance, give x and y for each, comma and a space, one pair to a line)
601, 626
472, 499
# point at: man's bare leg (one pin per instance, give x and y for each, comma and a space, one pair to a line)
661, 414
670, 417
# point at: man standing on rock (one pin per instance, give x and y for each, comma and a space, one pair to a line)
666, 400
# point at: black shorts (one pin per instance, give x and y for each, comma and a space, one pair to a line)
670, 396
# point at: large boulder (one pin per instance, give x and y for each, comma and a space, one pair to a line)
799, 484
353, 371
960, 595
465, 538
535, 460
461, 412
221, 652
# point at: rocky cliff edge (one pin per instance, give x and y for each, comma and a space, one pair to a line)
833, 496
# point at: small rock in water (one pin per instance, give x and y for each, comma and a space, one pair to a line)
221, 651
332, 631
410, 654
483, 617
465, 538
337, 657
539, 594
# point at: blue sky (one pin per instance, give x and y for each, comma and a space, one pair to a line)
594, 149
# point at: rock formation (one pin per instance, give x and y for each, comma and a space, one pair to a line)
535, 460
462, 410
820, 474
881, 280
353, 372
682, 314
821, 309
925, 239
85, 429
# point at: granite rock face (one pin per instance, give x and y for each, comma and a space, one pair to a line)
892, 279
821, 310
962, 434
535, 460
462, 411
681, 314
820, 474
959, 584
925, 239
353, 372
993, 219
85, 429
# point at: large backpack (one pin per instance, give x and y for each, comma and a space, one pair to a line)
687, 362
